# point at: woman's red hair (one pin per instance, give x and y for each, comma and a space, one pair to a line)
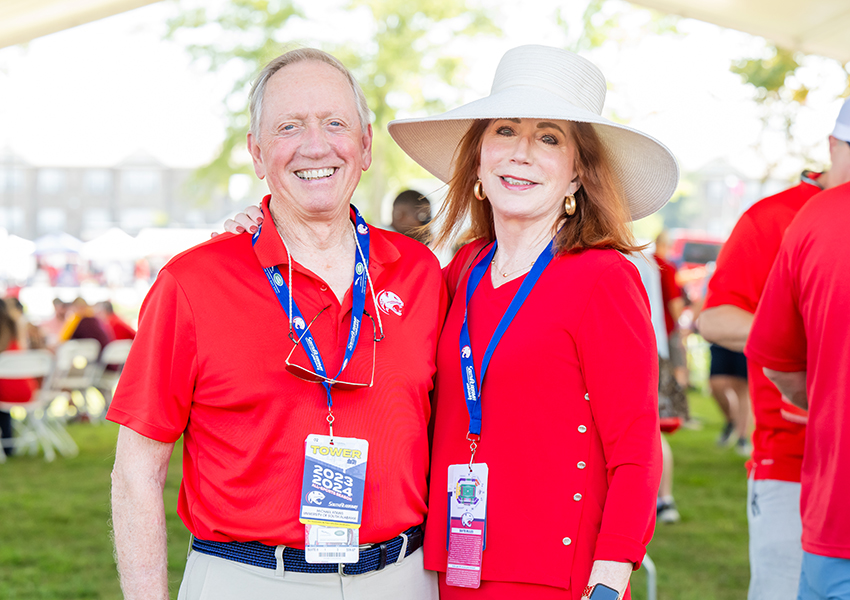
602, 216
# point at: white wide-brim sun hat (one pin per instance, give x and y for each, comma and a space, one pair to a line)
540, 82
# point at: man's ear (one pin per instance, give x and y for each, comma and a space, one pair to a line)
256, 156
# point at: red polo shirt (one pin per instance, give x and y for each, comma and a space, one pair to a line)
208, 364
742, 268
801, 325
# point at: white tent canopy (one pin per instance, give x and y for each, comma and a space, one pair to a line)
57, 243
24, 20
821, 27
16, 256
114, 245
167, 242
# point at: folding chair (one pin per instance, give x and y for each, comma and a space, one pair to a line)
114, 355
33, 423
74, 372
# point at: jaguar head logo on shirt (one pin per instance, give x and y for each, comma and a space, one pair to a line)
390, 302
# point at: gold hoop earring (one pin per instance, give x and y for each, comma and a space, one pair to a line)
570, 205
478, 191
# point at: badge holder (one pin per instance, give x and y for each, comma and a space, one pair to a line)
332, 497
467, 521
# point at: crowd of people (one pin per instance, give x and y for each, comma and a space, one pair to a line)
70, 321
338, 444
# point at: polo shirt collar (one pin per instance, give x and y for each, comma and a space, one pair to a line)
271, 252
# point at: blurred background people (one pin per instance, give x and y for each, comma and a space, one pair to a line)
670, 393
52, 328
83, 324
17, 390
118, 327
411, 211
801, 337
727, 380
29, 335
774, 471
674, 303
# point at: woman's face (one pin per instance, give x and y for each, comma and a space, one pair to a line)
527, 168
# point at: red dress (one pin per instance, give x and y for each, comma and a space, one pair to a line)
570, 425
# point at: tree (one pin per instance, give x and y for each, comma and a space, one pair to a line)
405, 58
780, 93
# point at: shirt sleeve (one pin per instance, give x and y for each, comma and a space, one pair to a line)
742, 266
155, 392
619, 361
778, 337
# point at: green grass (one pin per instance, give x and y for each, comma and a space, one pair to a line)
54, 528
704, 556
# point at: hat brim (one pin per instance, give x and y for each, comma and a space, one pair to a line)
646, 169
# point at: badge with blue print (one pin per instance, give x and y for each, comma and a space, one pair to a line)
332, 497
467, 524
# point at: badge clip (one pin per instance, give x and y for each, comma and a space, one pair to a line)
473, 446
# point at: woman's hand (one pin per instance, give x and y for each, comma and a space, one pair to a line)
244, 221
613, 574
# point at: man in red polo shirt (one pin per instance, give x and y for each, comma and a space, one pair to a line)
800, 336
297, 367
734, 293
121, 330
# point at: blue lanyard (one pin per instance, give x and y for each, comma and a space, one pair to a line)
358, 302
471, 386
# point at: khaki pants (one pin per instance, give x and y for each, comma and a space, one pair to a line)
212, 578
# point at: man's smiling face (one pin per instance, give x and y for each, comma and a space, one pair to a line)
310, 147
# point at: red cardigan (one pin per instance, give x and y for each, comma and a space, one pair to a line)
570, 420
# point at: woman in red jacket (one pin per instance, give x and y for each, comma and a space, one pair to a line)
546, 454
546, 444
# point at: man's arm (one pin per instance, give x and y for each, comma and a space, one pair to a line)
138, 515
792, 385
726, 325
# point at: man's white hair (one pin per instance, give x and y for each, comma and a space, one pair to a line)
296, 56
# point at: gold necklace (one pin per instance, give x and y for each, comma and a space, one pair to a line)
509, 273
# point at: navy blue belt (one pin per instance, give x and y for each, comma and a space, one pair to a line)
373, 558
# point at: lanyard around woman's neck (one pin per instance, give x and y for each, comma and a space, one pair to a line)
358, 301
471, 383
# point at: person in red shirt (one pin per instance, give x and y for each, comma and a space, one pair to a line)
312, 338
563, 425
800, 337
673, 300
120, 329
734, 293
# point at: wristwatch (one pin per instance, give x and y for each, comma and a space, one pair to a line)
600, 591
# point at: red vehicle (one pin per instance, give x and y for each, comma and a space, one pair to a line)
691, 251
